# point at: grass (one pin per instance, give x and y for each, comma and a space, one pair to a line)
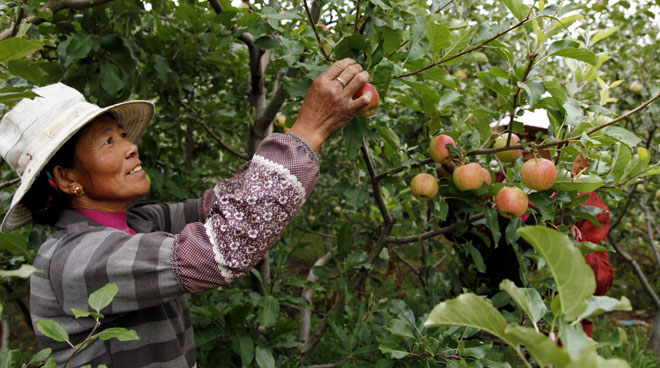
634, 351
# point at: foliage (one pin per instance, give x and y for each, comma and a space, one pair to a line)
363, 259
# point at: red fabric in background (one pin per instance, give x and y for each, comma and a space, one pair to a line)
599, 261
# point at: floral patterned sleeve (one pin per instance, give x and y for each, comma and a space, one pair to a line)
244, 215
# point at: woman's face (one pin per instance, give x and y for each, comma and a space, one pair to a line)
108, 167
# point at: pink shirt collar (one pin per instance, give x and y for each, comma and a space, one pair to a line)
115, 220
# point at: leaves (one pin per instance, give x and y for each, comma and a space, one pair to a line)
119, 333
102, 297
16, 48
52, 329
585, 183
22, 272
527, 298
573, 277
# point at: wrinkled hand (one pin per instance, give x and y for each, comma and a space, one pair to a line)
328, 105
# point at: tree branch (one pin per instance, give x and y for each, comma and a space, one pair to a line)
432, 233
378, 194
650, 226
312, 21
638, 271
306, 313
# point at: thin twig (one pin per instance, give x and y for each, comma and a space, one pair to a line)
403, 167
650, 225
329, 236
444, 6
356, 27
432, 233
516, 94
406, 262
9, 183
442, 61
318, 38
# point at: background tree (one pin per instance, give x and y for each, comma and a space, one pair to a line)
354, 277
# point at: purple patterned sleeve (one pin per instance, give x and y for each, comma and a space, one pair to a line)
246, 214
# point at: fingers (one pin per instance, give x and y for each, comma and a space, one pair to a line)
348, 74
357, 81
335, 69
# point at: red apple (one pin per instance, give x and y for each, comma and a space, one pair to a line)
507, 156
511, 202
438, 148
468, 177
538, 173
424, 187
461, 74
487, 178
372, 107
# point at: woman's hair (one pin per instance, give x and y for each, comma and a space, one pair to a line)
44, 199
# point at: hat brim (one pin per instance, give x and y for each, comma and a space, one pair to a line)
133, 115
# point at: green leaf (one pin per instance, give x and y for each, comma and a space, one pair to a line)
585, 183
243, 346
79, 313
266, 43
528, 300
10, 358
16, 48
573, 277
438, 35
269, 310
79, 46
579, 54
604, 34
622, 157
561, 45
492, 223
15, 242
554, 87
23, 272
623, 135
111, 78
119, 333
602, 304
36, 72
392, 39
574, 112
40, 356
541, 347
52, 330
399, 328
517, 8
395, 351
477, 258
102, 297
388, 135
264, 358
50, 363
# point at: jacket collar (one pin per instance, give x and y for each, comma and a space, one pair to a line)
73, 221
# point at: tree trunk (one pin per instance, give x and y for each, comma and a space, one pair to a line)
654, 340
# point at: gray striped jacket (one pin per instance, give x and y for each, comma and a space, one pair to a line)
191, 246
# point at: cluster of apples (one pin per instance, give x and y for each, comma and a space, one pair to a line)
511, 201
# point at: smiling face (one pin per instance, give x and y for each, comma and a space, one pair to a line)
107, 167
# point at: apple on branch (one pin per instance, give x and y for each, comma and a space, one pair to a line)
510, 155
636, 87
538, 173
468, 177
511, 202
373, 105
438, 149
424, 186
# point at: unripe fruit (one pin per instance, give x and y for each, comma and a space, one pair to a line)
636, 87
280, 119
438, 149
468, 177
511, 202
461, 74
373, 105
487, 178
511, 155
538, 173
643, 153
424, 187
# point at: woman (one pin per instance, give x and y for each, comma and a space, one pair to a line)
80, 171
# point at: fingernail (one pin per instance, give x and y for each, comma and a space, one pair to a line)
370, 95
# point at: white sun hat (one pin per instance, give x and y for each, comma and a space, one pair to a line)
35, 129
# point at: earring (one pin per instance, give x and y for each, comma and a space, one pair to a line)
78, 191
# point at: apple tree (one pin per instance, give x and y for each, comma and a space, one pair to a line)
368, 274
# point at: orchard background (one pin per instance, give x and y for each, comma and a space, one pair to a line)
353, 279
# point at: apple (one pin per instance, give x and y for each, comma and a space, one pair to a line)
507, 156
468, 177
244, 5
538, 173
487, 178
438, 149
372, 107
424, 186
461, 74
511, 202
280, 119
636, 87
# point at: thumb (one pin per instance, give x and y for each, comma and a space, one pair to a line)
362, 101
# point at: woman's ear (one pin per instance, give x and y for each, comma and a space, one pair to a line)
65, 179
